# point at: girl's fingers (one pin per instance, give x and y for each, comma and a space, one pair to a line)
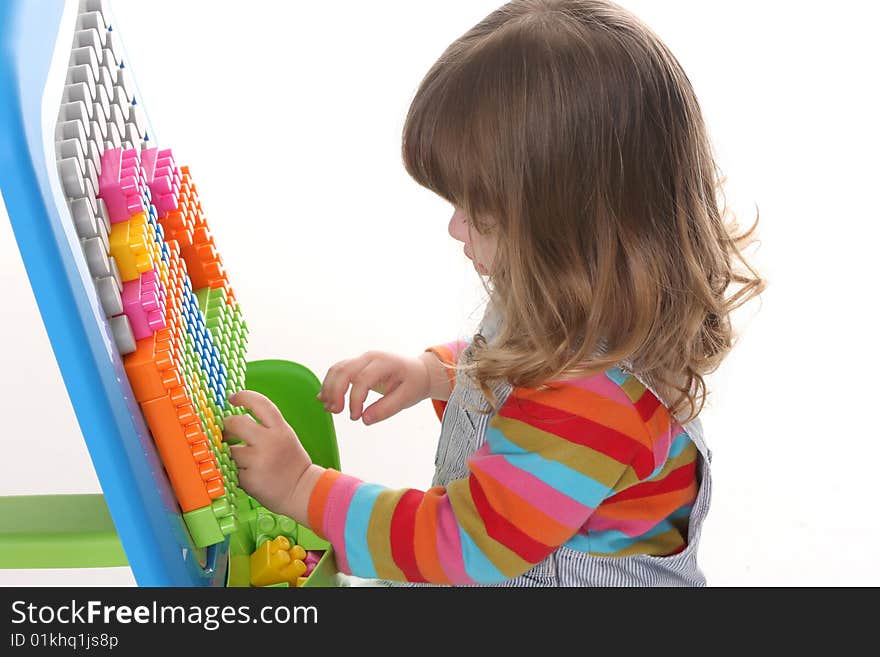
240, 454
367, 379
332, 393
243, 427
385, 407
261, 406
338, 379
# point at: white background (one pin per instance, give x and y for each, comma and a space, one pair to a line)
290, 114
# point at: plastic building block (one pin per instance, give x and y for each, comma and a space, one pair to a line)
197, 244
310, 540
122, 334
267, 526
313, 557
297, 552
134, 249
121, 182
75, 178
274, 562
143, 300
204, 527
163, 177
110, 296
181, 441
96, 257
324, 573
89, 217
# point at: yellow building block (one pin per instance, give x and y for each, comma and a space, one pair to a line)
274, 562
129, 244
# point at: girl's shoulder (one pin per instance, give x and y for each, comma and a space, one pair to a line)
614, 400
614, 385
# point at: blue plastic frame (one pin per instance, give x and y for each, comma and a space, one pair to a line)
136, 489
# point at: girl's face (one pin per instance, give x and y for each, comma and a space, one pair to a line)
479, 248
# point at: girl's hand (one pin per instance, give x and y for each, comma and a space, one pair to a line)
272, 462
402, 381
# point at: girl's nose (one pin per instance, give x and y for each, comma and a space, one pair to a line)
458, 226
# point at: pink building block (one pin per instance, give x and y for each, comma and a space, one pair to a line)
163, 178
143, 301
121, 183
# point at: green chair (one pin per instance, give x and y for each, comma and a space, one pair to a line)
77, 531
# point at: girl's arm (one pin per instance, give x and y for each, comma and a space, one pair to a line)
440, 387
550, 459
441, 361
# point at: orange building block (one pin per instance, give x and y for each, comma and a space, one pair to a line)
152, 369
181, 441
178, 225
204, 265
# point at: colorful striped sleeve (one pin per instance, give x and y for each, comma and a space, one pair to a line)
551, 457
448, 354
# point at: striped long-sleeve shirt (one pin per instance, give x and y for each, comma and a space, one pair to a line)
596, 464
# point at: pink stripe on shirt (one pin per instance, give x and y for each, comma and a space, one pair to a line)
544, 498
603, 386
449, 544
335, 514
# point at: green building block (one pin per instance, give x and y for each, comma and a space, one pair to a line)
211, 524
324, 574
239, 571
310, 540
203, 527
267, 526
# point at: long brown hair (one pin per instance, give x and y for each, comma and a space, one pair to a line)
568, 127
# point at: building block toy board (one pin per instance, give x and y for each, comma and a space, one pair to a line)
144, 323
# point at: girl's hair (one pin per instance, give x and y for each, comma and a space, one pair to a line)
569, 128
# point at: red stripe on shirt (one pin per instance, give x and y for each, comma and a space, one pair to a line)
676, 480
583, 431
403, 525
499, 528
646, 405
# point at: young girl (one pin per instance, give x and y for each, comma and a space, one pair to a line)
571, 145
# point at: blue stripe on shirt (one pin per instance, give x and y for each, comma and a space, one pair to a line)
572, 483
356, 523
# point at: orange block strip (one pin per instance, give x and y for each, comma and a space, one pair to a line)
171, 440
151, 368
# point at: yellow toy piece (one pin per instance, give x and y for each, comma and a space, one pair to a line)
276, 561
132, 247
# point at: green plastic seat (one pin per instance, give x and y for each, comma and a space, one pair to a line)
293, 388
77, 531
